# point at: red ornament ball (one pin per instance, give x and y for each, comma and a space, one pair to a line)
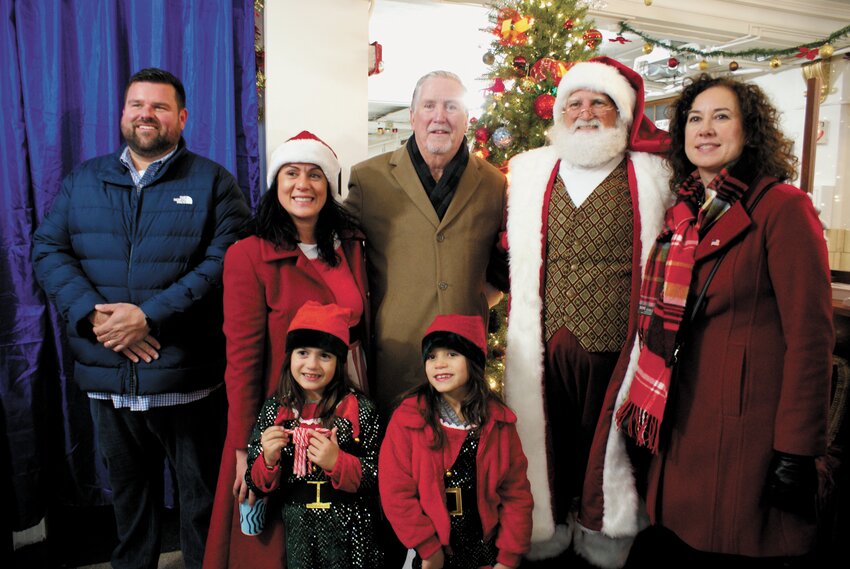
672, 63
592, 36
543, 106
568, 25
520, 63
473, 120
482, 135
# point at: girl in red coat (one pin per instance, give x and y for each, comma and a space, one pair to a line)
453, 475
316, 442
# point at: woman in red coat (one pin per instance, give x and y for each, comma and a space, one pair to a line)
302, 246
736, 429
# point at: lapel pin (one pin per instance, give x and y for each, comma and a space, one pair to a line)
715, 243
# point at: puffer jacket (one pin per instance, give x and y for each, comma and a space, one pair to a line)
160, 248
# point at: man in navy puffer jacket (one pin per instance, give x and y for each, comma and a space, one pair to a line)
131, 253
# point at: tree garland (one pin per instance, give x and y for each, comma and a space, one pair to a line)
799, 51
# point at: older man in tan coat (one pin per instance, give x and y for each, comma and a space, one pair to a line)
432, 214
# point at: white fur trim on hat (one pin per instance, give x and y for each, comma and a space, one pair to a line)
307, 148
602, 78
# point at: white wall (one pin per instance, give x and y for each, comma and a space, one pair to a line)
316, 74
787, 90
831, 190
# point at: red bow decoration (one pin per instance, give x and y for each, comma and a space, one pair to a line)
808, 52
301, 439
619, 39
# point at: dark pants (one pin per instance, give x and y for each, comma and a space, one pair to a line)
133, 444
576, 382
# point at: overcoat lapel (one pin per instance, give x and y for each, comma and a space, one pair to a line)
724, 232
465, 189
407, 179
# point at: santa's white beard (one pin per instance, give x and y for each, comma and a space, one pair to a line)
589, 148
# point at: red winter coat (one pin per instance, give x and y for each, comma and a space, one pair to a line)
413, 495
263, 288
754, 377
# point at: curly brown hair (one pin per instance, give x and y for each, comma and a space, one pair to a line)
765, 146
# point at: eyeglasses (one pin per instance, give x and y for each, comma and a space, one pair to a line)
595, 107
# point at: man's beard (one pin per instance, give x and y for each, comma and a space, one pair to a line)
148, 147
589, 149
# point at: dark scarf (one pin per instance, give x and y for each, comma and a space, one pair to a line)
664, 294
439, 192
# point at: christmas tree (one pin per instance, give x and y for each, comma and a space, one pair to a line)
535, 43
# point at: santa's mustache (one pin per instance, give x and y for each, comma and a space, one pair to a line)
580, 123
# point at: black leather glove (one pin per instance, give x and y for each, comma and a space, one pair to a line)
792, 484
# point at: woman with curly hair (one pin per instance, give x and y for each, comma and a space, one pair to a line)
300, 245
732, 383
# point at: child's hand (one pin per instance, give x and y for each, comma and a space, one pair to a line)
436, 561
273, 440
323, 451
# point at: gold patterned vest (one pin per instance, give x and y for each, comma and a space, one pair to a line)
589, 263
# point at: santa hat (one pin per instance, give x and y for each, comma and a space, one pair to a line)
625, 87
323, 326
462, 333
305, 147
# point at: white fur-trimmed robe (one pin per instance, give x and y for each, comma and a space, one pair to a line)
530, 173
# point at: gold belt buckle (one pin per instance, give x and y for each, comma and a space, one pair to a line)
458, 509
318, 504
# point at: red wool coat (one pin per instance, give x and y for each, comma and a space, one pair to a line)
754, 377
410, 479
263, 288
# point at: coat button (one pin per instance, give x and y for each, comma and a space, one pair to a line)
443, 285
440, 237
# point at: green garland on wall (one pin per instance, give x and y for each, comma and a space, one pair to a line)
752, 53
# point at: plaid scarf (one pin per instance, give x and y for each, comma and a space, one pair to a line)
663, 298
441, 191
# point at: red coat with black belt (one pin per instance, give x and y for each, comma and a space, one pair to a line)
413, 495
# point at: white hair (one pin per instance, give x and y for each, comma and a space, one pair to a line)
432, 75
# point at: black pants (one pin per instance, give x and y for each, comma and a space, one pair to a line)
133, 445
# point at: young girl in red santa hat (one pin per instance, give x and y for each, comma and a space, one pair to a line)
316, 441
452, 472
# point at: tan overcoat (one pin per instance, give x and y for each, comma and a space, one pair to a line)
419, 266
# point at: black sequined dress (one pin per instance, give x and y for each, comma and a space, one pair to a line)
342, 535
469, 550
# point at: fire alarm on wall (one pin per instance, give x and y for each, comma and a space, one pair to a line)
376, 59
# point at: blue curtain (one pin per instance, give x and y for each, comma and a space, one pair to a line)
63, 68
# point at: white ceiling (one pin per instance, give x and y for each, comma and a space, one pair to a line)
421, 35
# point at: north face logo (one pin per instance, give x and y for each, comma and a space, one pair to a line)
183, 200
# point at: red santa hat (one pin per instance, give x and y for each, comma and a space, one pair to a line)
455, 331
323, 326
625, 87
305, 147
